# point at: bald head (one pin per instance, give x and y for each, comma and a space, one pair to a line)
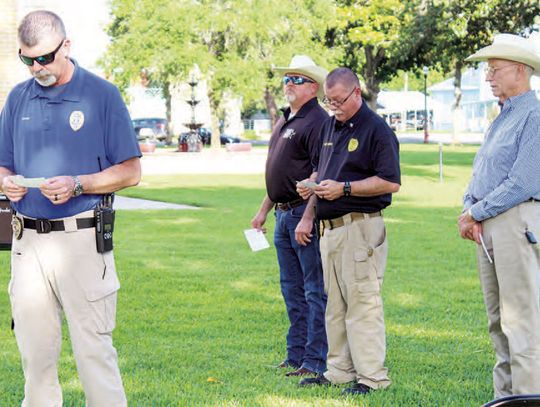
343, 76
38, 24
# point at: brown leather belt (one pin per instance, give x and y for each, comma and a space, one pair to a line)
339, 222
47, 226
289, 205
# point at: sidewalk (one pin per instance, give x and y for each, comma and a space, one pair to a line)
208, 161
445, 138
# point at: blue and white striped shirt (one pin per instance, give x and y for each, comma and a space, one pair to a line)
506, 169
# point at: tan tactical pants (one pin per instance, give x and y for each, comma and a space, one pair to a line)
55, 272
354, 260
511, 287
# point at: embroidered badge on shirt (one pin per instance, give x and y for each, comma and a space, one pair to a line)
353, 145
76, 120
289, 133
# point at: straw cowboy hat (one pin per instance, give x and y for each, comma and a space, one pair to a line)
512, 48
304, 65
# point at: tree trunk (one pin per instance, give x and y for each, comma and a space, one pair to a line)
167, 97
456, 107
215, 143
271, 106
371, 91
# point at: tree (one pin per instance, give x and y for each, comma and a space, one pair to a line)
464, 26
377, 39
234, 42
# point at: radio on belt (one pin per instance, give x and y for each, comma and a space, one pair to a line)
104, 228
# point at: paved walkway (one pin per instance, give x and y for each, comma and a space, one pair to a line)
207, 161
122, 202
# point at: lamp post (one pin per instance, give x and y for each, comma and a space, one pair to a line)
425, 69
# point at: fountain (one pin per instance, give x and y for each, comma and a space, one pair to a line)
191, 142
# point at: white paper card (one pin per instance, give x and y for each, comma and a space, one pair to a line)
308, 184
256, 239
28, 182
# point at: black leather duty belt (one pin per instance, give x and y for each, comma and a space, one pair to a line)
338, 222
289, 205
47, 226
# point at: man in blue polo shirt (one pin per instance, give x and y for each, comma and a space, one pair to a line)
357, 173
65, 140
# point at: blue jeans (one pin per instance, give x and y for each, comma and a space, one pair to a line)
302, 287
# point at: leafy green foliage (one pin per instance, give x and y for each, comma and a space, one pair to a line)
234, 42
377, 39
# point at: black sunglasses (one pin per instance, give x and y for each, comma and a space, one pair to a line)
42, 59
296, 80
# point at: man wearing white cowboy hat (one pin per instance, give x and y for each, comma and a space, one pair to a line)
292, 151
501, 214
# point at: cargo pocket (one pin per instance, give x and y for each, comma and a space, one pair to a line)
101, 295
369, 265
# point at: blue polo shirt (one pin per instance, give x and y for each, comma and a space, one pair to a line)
362, 147
80, 128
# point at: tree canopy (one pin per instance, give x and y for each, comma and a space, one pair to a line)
236, 42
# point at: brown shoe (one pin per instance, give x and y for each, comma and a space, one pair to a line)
301, 372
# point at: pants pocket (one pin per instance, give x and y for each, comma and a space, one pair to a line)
101, 293
370, 263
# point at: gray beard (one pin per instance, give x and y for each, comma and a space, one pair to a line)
46, 80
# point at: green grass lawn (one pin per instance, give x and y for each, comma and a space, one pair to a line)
201, 318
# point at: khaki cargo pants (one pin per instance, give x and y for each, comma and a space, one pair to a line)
354, 260
55, 272
511, 287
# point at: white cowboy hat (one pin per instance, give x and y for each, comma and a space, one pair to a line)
304, 65
512, 48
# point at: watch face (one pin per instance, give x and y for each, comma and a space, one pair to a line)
78, 190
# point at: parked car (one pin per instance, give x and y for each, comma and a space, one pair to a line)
159, 128
206, 136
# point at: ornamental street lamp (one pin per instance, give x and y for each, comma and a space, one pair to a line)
425, 69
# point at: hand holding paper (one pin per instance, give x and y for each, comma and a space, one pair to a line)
27, 182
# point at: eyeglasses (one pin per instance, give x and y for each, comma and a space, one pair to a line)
296, 80
490, 71
42, 59
335, 103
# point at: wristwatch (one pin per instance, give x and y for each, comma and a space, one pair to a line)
347, 188
78, 189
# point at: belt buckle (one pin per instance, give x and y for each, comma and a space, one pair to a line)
43, 226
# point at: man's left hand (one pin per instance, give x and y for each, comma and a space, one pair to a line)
58, 190
302, 233
329, 189
468, 227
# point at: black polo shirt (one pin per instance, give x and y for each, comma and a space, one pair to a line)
293, 150
360, 148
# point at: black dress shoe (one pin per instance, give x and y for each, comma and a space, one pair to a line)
320, 380
301, 372
357, 389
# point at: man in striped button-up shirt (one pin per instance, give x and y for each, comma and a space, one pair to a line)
502, 215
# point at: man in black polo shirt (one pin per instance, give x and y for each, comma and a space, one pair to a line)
292, 154
358, 171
